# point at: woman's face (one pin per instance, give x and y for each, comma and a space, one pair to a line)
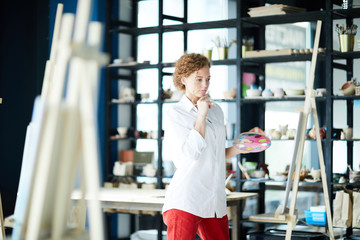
197, 84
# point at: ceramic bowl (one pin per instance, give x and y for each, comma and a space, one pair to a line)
279, 92
267, 93
294, 92
258, 173
348, 88
279, 178
230, 94
253, 92
250, 166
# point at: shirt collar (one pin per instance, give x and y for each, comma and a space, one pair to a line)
187, 103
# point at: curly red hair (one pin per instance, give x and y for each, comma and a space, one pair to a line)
186, 65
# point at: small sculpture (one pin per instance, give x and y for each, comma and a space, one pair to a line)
127, 94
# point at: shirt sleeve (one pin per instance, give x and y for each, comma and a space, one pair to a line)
181, 139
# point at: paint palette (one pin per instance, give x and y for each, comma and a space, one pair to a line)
252, 142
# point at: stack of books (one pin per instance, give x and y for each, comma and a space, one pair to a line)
274, 9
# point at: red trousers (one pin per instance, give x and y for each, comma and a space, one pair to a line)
184, 226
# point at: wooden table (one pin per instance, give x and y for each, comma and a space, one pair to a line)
153, 200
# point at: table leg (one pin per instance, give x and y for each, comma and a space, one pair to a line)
159, 225
235, 222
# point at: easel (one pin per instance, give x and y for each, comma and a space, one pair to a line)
63, 136
309, 107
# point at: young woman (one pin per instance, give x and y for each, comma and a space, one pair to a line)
195, 201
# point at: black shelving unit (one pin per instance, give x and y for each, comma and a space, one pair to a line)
327, 58
243, 23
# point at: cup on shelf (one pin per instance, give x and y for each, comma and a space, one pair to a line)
291, 133
346, 42
207, 53
348, 132
123, 132
223, 53
357, 90
246, 48
315, 173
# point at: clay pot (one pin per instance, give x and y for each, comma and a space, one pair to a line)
322, 133
348, 88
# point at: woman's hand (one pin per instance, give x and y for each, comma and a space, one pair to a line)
257, 130
203, 105
233, 151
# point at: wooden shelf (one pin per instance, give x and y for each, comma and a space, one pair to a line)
266, 218
284, 58
283, 19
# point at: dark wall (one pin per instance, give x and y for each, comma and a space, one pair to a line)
24, 49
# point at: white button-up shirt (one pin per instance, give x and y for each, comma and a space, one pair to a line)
198, 185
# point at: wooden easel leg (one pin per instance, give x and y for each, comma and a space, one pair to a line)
292, 218
67, 170
81, 204
89, 140
290, 226
322, 170
309, 100
49, 67
289, 231
2, 235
